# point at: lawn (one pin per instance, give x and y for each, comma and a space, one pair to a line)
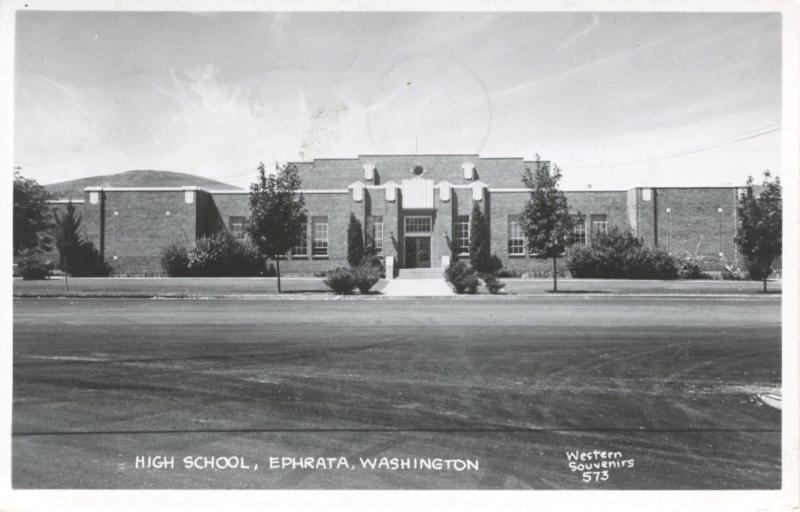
220, 287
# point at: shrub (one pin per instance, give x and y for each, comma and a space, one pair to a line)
493, 284
508, 272
32, 266
365, 276
620, 255
221, 255
463, 278
218, 255
691, 270
375, 262
340, 280
175, 260
731, 274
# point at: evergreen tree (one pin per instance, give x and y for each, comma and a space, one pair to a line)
546, 221
355, 242
479, 243
759, 234
277, 213
68, 241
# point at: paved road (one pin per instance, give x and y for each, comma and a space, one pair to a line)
667, 382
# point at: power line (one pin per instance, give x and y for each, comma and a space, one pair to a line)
751, 134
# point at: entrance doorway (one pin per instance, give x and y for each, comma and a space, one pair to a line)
418, 252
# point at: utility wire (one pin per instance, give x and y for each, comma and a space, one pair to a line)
751, 134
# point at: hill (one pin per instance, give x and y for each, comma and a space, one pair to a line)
74, 188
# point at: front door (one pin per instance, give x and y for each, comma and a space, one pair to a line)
418, 252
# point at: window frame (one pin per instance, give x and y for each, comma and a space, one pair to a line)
302, 243
406, 223
317, 241
579, 237
239, 234
377, 241
598, 219
461, 244
515, 243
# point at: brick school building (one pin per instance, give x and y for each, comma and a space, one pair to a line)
415, 207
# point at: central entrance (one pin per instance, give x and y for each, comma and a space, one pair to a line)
417, 230
418, 252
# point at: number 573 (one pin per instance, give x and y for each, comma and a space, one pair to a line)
596, 476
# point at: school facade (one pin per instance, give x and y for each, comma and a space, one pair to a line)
416, 208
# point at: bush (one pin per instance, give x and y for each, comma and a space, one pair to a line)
493, 284
365, 276
375, 262
175, 260
508, 272
463, 278
731, 274
691, 270
340, 280
218, 255
32, 266
620, 255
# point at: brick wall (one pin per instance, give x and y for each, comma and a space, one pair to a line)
504, 204
694, 225
141, 228
137, 226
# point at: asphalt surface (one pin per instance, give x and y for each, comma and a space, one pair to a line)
669, 383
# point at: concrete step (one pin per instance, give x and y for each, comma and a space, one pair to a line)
420, 273
417, 288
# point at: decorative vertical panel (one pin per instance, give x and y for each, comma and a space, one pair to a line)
469, 170
358, 191
417, 193
477, 191
369, 172
391, 191
444, 190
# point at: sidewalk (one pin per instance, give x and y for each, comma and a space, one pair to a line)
418, 288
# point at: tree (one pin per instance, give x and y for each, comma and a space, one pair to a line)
76, 257
546, 221
355, 242
479, 248
32, 220
68, 239
759, 234
277, 213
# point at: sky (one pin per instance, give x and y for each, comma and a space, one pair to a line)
617, 100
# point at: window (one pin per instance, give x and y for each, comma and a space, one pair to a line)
377, 234
236, 227
461, 235
599, 223
301, 249
319, 244
579, 230
516, 240
418, 224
